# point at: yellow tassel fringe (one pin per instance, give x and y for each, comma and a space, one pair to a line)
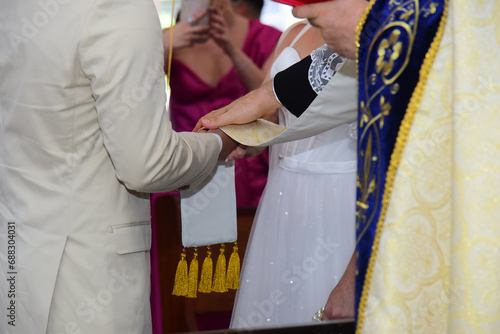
193, 276
206, 273
233, 269
186, 282
220, 272
180, 283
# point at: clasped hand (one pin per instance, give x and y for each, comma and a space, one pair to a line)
232, 150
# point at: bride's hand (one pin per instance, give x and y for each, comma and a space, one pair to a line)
256, 104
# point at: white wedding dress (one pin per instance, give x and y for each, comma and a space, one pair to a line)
303, 235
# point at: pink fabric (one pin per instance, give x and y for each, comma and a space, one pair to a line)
155, 298
193, 98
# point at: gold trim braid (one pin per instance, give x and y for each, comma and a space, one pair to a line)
170, 45
359, 28
401, 141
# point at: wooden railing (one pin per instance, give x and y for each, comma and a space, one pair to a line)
330, 327
208, 311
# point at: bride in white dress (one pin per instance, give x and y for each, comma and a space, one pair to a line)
303, 236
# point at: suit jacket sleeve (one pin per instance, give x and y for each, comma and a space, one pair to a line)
121, 52
293, 90
336, 104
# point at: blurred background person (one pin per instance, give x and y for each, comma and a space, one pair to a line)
214, 65
251, 9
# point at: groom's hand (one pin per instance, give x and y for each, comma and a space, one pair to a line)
228, 144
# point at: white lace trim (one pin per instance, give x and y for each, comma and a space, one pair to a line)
353, 129
325, 63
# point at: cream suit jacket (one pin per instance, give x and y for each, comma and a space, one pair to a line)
84, 135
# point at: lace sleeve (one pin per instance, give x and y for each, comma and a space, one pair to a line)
325, 63
298, 85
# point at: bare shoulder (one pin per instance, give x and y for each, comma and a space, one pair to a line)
289, 35
309, 41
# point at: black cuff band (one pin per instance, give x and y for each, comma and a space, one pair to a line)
293, 89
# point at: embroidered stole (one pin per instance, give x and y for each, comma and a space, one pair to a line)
393, 41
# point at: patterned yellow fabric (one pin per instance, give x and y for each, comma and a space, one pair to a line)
437, 260
255, 133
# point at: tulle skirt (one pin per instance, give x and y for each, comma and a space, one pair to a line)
301, 241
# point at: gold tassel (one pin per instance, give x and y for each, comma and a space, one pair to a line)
233, 269
206, 273
220, 272
193, 276
181, 277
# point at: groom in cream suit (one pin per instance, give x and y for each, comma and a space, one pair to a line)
84, 136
